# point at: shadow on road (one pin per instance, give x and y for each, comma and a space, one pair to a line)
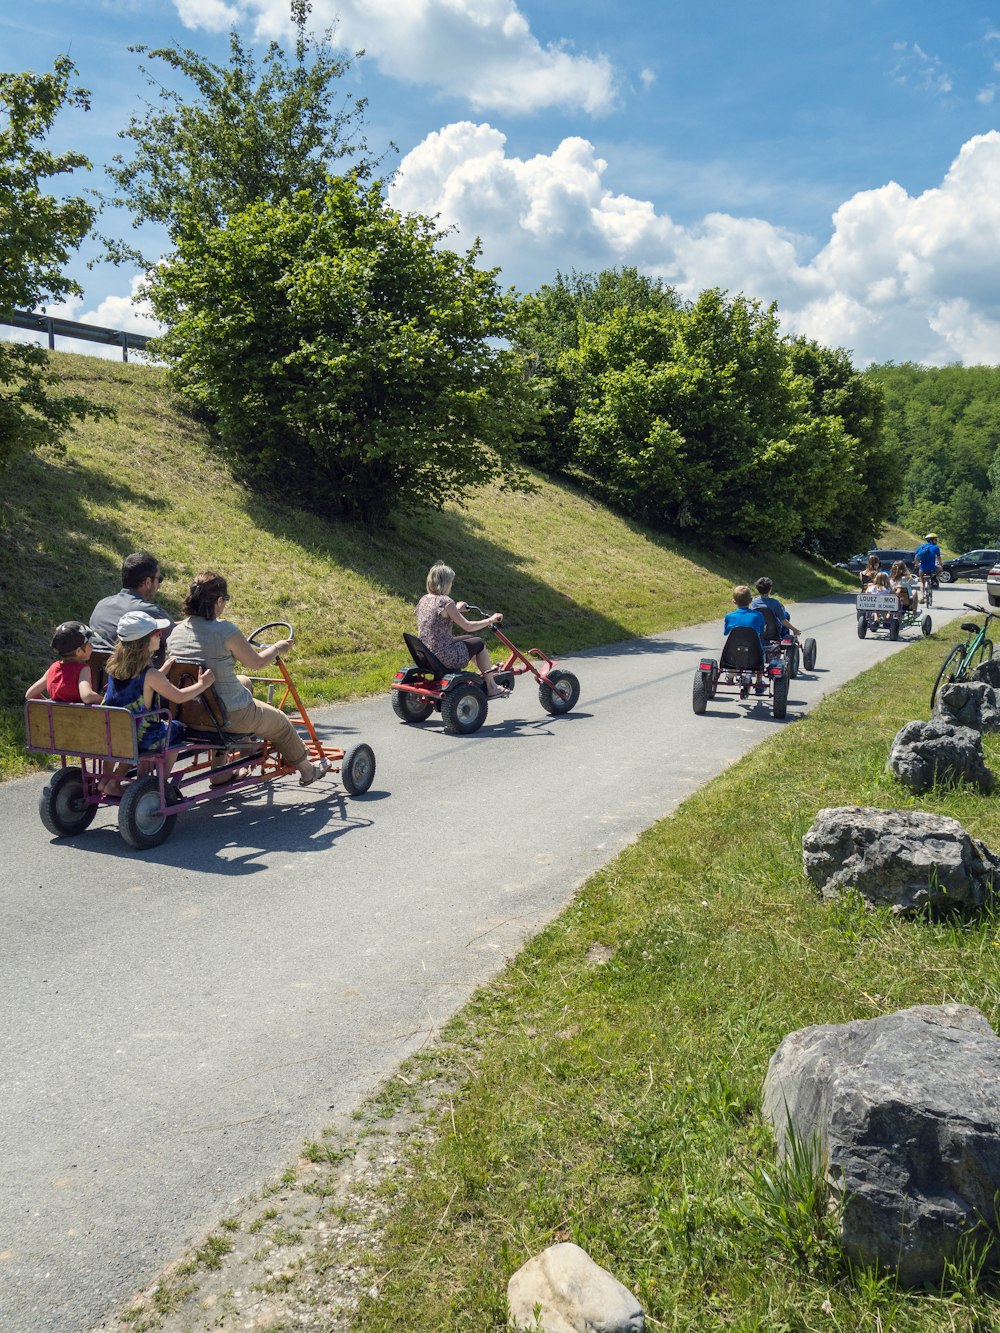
237, 835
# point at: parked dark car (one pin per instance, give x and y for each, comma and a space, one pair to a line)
972, 565
887, 558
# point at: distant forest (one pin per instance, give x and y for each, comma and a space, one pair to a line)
943, 425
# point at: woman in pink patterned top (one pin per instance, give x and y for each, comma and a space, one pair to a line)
437, 611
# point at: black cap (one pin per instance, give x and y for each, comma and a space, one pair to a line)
69, 636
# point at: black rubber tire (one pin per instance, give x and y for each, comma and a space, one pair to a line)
138, 821
357, 770
699, 693
862, 626
984, 653
945, 576
792, 660
949, 670
61, 805
561, 696
809, 654
893, 628
779, 696
410, 707
463, 709
925, 626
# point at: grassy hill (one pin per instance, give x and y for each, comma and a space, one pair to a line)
567, 573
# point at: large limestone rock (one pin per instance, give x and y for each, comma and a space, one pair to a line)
907, 859
906, 1110
574, 1295
988, 672
969, 703
925, 753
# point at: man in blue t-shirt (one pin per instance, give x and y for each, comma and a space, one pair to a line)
928, 554
743, 615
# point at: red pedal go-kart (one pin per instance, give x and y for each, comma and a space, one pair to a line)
98, 737
460, 696
736, 672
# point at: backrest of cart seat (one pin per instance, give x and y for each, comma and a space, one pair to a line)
206, 713
79, 729
98, 663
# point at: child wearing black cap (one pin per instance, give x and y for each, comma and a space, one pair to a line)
68, 680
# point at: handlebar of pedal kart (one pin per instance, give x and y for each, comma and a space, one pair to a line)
483, 615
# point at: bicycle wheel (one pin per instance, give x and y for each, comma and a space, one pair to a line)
950, 671
982, 654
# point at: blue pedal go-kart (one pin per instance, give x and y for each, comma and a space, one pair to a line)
881, 613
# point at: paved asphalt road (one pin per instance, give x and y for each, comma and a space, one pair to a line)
177, 1021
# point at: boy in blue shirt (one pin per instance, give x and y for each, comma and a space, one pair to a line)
743, 615
764, 598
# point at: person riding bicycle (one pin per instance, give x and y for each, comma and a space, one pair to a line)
928, 555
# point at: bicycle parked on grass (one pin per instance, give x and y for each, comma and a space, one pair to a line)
965, 657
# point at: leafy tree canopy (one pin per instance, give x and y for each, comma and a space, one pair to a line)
252, 132
701, 416
348, 360
38, 233
944, 423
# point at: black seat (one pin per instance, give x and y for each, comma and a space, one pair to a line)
424, 658
742, 650
772, 630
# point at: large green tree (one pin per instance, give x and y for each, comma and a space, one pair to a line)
237, 134
348, 358
38, 233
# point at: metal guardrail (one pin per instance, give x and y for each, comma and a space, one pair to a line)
54, 327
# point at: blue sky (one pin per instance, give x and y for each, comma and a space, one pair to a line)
841, 157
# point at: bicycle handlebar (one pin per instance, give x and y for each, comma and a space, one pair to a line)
981, 611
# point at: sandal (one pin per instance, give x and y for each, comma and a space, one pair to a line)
318, 771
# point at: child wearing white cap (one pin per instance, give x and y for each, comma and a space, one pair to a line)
133, 681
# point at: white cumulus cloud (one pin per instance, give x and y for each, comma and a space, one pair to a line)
900, 276
481, 50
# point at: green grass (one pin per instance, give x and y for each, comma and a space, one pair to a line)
567, 573
617, 1104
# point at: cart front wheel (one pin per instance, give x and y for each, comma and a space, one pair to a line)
62, 806
560, 694
862, 626
357, 772
410, 707
925, 626
464, 709
140, 820
809, 654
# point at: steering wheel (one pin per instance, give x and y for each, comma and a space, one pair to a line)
272, 624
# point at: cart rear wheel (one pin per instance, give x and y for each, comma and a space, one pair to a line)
410, 707
357, 771
862, 626
809, 654
140, 821
62, 806
779, 696
561, 694
699, 693
464, 709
